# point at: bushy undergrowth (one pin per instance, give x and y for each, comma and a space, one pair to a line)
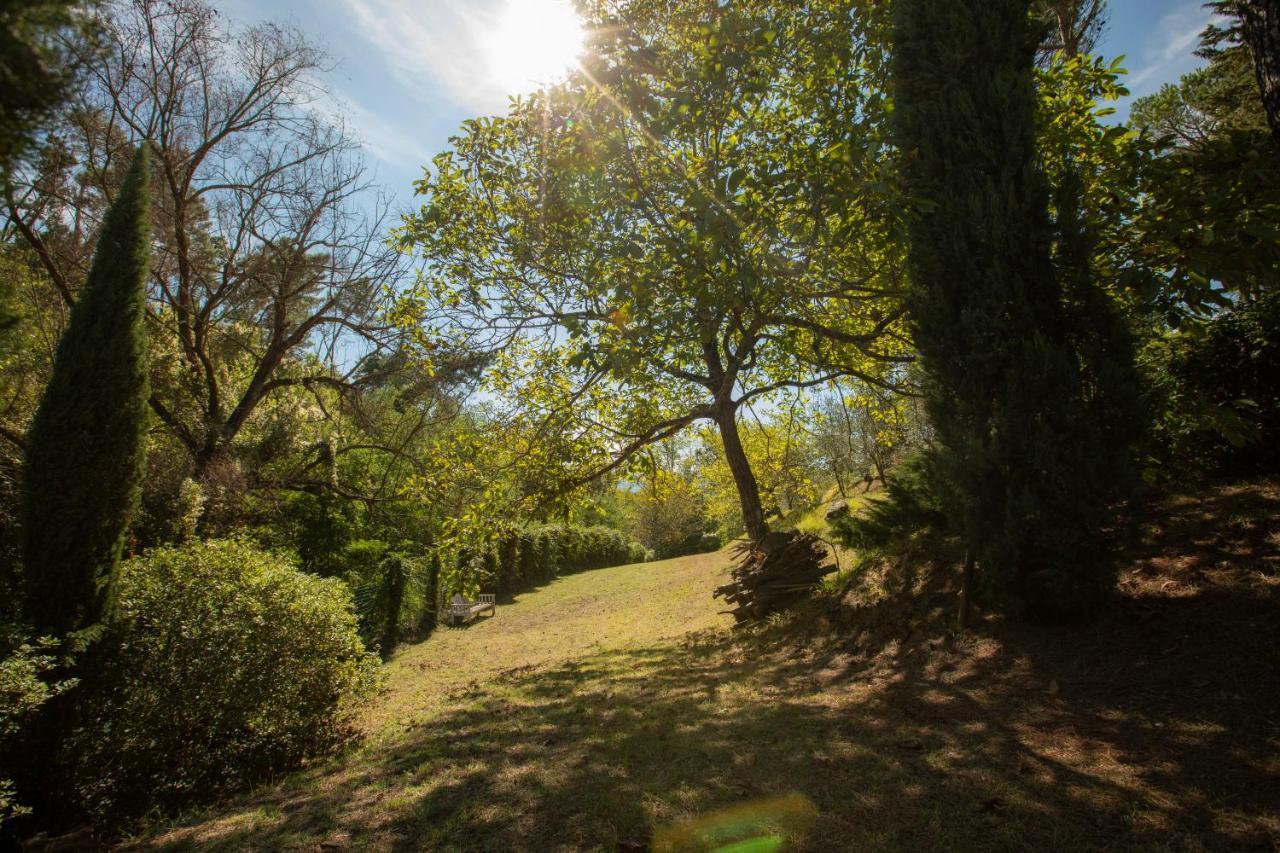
28, 679
1216, 388
909, 505
223, 664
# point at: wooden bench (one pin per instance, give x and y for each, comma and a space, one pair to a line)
463, 609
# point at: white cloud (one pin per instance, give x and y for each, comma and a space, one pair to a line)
1169, 52
434, 49
386, 140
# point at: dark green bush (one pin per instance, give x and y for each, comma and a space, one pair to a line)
172, 502
527, 558
398, 601
488, 565
571, 548
508, 561
694, 543
12, 594
361, 559
430, 595
909, 504
390, 602
28, 679
637, 553
1217, 393
321, 529
223, 664
460, 571
553, 554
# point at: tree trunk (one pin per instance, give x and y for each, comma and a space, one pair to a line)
210, 451
966, 592
1261, 20
879, 465
743, 477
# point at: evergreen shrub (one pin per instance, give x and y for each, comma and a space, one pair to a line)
223, 664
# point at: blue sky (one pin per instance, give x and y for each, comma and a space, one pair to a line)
409, 71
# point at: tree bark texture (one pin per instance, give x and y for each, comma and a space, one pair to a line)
743, 477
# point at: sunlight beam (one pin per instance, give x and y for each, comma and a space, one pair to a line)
535, 43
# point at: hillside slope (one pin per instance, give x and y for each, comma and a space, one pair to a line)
568, 619
582, 718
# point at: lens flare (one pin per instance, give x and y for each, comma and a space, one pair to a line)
536, 42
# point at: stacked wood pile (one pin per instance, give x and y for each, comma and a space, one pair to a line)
773, 574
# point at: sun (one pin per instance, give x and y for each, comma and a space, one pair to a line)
535, 43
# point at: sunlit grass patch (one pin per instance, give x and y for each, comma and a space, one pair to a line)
607, 709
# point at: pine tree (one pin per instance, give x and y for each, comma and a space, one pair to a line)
1259, 22
1019, 457
36, 68
86, 443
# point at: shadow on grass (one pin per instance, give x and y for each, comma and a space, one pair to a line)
1154, 728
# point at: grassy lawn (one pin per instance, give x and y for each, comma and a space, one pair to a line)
596, 712
566, 620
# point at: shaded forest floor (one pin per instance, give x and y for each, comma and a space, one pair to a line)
595, 711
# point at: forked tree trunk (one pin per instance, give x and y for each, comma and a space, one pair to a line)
743, 477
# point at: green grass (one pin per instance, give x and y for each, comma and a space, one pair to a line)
611, 708
572, 617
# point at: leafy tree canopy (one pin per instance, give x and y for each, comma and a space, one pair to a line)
1210, 214
700, 218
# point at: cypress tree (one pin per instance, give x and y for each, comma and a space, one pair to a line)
86, 444
1116, 412
1019, 458
391, 597
431, 595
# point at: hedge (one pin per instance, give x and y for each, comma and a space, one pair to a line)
516, 559
399, 597
398, 600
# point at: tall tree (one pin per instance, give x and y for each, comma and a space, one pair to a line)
1073, 26
85, 446
1209, 221
270, 272
35, 76
35, 68
1004, 389
1260, 27
698, 220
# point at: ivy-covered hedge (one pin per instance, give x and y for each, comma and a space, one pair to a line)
399, 597
517, 559
398, 601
